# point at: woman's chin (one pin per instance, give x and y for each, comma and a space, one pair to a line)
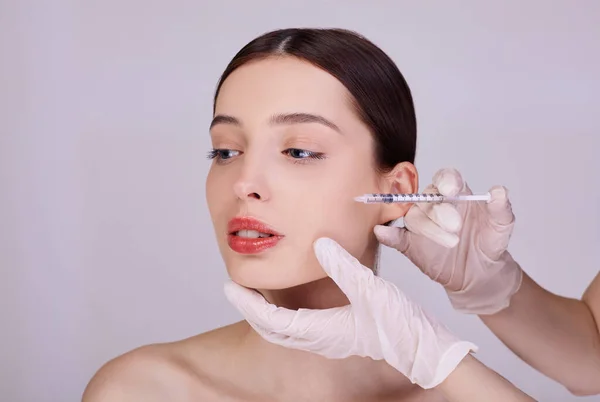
270, 281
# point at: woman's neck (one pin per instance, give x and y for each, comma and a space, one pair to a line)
321, 294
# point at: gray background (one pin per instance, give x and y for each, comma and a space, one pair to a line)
105, 239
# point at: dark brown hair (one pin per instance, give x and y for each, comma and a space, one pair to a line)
381, 95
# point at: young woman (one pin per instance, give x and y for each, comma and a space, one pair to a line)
304, 121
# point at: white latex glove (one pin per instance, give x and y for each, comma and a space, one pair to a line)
380, 322
461, 246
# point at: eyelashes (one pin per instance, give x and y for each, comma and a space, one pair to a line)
221, 154
302, 154
297, 155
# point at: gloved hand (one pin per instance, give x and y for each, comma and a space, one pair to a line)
380, 322
462, 247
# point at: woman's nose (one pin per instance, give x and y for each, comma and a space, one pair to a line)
251, 186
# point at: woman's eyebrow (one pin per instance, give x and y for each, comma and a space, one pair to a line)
280, 119
300, 118
224, 119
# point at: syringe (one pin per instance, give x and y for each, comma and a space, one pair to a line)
422, 197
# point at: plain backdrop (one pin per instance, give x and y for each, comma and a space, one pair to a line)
105, 239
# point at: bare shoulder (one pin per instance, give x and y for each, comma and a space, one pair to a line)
150, 373
591, 297
179, 371
592, 293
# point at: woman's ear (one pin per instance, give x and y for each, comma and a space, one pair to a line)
403, 179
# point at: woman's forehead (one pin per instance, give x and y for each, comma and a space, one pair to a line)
283, 85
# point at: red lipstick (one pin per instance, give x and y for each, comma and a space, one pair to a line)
247, 235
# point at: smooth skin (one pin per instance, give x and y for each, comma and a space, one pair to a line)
474, 381
233, 363
267, 162
257, 175
558, 336
201, 368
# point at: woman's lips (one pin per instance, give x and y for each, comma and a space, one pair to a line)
251, 245
245, 245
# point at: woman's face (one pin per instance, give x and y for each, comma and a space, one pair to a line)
290, 154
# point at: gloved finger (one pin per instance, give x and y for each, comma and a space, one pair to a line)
495, 236
499, 207
327, 326
420, 224
277, 324
269, 335
345, 270
253, 306
317, 331
448, 181
444, 215
390, 236
276, 338
336, 338
332, 334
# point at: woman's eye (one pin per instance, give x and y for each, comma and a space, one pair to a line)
222, 154
296, 153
